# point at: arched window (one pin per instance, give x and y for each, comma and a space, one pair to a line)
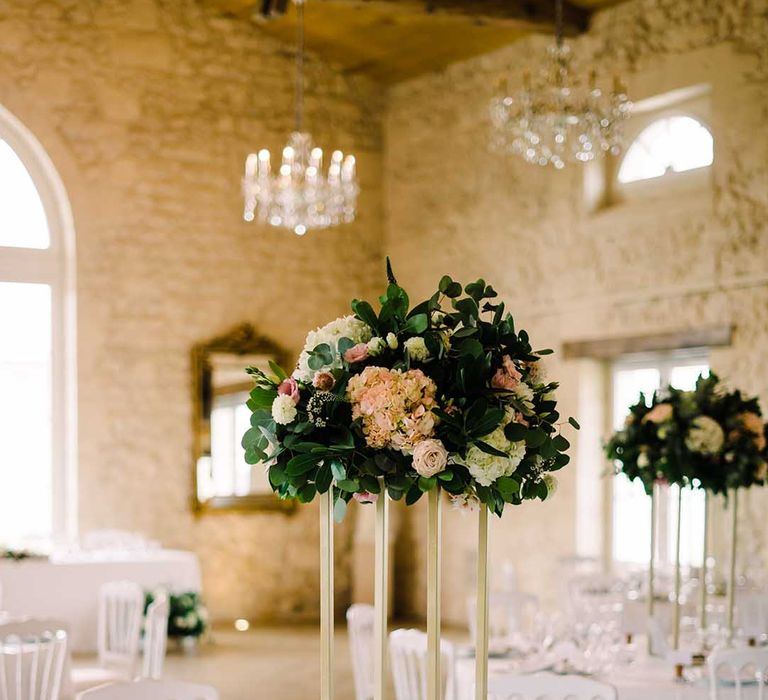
670, 144
37, 422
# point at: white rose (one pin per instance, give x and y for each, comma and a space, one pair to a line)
643, 461
523, 392
705, 436
376, 346
549, 396
429, 457
284, 410
551, 483
392, 341
417, 349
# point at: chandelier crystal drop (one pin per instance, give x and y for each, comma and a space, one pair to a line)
298, 194
558, 117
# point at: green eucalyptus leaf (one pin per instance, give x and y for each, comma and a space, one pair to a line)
301, 464
416, 324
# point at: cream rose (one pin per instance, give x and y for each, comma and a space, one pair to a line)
429, 457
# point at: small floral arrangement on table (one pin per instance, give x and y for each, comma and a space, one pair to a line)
187, 616
409, 398
709, 438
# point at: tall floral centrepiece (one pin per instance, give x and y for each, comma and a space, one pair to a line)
410, 398
710, 438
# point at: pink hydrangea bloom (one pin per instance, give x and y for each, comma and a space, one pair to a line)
395, 407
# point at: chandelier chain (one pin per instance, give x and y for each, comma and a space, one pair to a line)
559, 22
299, 64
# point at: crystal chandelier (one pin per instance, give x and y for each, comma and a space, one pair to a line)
299, 195
556, 117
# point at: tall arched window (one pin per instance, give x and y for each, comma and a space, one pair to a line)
669, 144
37, 369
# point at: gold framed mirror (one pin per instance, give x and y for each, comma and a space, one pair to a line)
222, 481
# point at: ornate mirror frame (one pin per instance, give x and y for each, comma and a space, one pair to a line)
242, 340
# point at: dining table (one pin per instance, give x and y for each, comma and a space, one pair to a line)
647, 678
65, 586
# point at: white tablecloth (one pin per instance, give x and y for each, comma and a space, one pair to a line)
648, 679
66, 587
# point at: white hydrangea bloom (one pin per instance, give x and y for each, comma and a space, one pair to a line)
344, 327
486, 468
705, 436
284, 410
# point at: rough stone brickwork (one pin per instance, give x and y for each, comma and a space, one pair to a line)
676, 260
148, 109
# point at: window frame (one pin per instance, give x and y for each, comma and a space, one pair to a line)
602, 190
53, 266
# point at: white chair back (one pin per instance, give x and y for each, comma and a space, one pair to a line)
549, 686
121, 609
26, 627
151, 690
31, 667
155, 638
408, 659
742, 667
509, 613
752, 613
360, 624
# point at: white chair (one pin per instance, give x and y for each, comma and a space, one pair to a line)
549, 686
408, 657
360, 625
737, 664
26, 627
121, 607
510, 613
151, 690
752, 614
31, 667
155, 638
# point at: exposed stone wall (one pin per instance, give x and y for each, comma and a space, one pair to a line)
682, 258
148, 108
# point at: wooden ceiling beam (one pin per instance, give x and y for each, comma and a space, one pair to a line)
533, 15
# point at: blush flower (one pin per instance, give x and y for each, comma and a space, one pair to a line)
357, 353
429, 457
753, 424
507, 377
660, 413
365, 497
395, 407
324, 381
289, 387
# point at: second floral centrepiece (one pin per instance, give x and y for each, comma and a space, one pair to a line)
412, 398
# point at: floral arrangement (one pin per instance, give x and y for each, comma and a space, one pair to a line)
187, 616
409, 398
709, 438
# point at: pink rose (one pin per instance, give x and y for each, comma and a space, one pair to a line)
520, 418
357, 353
507, 377
752, 423
659, 414
289, 387
429, 457
324, 381
366, 497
